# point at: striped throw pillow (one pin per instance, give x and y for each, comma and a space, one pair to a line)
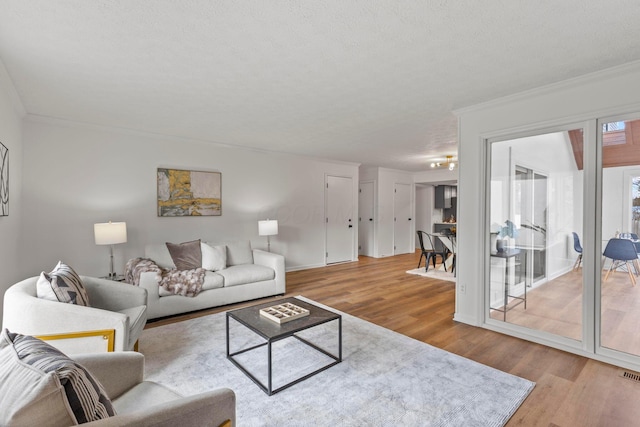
62, 284
85, 395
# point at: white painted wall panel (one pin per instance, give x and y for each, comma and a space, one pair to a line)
11, 137
77, 175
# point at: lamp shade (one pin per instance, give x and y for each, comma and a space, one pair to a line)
110, 233
268, 227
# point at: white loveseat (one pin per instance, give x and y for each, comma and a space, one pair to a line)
248, 274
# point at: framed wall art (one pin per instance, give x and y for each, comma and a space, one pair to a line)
189, 193
4, 180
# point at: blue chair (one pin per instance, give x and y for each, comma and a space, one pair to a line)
633, 237
621, 251
578, 248
636, 242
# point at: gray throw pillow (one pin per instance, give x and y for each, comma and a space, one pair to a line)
62, 284
44, 383
186, 255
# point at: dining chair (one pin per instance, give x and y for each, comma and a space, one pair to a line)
449, 234
578, 248
620, 252
633, 237
428, 250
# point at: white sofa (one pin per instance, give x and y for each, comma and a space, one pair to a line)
249, 274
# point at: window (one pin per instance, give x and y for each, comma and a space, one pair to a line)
612, 127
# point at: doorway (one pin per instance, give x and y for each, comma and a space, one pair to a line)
402, 225
366, 223
339, 219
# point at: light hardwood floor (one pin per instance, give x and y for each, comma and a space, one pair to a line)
556, 307
570, 390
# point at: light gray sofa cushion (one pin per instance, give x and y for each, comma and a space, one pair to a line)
246, 273
160, 255
239, 253
145, 394
214, 258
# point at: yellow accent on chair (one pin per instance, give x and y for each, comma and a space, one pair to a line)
69, 342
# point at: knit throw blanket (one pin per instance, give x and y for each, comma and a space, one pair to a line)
187, 283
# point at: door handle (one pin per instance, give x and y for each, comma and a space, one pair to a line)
370, 219
350, 226
409, 219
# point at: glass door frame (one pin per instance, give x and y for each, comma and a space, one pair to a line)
626, 358
586, 346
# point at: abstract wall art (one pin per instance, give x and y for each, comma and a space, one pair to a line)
4, 180
189, 193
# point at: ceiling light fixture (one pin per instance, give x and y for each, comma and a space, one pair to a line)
449, 164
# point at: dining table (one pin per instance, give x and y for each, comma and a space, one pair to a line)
449, 241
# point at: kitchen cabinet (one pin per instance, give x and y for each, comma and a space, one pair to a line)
443, 197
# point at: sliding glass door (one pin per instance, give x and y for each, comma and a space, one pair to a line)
619, 144
552, 198
535, 215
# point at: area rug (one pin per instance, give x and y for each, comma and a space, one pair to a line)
385, 378
434, 273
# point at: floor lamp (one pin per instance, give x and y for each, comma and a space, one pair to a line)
268, 228
110, 233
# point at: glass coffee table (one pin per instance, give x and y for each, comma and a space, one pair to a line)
271, 332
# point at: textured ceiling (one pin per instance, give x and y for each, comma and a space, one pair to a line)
368, 81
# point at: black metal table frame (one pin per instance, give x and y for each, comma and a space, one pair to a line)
507, 255
268, 389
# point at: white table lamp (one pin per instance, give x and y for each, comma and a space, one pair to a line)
268, 228
110, 233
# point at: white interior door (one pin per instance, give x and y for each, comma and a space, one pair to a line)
340, 220
402, 241
366, 220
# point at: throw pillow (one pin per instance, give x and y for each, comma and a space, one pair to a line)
186, 255
239, 253
62, 284
214, 258
42, 386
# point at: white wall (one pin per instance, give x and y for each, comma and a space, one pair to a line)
424, 209
387, 179
579, 101
10, 137
76, 175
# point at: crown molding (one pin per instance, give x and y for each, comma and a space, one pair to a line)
607, 73
56, 121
